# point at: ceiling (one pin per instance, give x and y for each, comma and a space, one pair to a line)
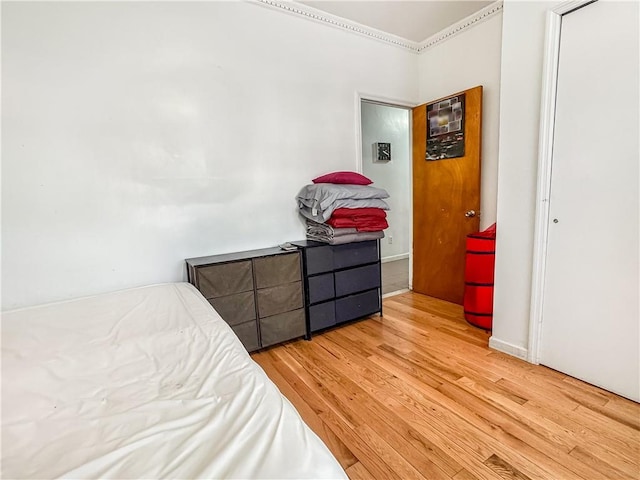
412, 20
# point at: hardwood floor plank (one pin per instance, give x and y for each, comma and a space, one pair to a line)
492, 390
546, 396
418, 452
433, 306
579, 384
379, 331
382, 332
415, 331
515, 430
355, 342
432, 414
365, 454
467, 450
466, 336
496, 438
612, 451
504, 469
344, 456
464, 475
417, 393
526, 374
422, 453
505, 414
442, 369
608, 471
470, 446
611, 427
438, 352
319, 397
357, 471
470, 416
568, 432
366, 370
617, 414
385, 452
402, 368
511, 426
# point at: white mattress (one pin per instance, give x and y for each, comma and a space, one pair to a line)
144, 383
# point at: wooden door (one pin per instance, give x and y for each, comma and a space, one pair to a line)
443, 192
590, 314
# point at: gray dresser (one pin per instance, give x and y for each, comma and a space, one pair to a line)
259, 293
342, 282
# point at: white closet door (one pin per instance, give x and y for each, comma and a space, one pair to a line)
590, 326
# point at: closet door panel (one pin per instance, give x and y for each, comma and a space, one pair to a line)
590, 325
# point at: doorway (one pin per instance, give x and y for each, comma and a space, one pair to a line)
391, 124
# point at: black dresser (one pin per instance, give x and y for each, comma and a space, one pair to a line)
342, 282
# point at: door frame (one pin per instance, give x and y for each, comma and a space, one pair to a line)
545, 160
390, 102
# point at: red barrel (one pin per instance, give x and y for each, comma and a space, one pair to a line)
478, 278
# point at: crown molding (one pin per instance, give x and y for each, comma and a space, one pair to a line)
310, 13
470, 21
314, 14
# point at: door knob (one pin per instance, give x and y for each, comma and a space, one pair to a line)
470, 213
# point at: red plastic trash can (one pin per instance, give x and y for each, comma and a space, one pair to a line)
478, 278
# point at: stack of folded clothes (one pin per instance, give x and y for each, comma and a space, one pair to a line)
343, 207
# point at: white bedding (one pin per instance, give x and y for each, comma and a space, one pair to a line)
144, 383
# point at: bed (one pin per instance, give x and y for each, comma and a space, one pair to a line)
144, 383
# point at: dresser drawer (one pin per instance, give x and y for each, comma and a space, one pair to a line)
321, 287
319, 259
322, 316
277, 270
357, 279
356, 306
282, 327
225, 278
236, 308
352, 254
248, 335
280, 299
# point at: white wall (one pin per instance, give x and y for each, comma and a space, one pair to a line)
137, 134
523, 35
466, 60
382, 123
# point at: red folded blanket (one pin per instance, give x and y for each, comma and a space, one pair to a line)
362, 219
358, 212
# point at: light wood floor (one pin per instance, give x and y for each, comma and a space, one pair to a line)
417, 394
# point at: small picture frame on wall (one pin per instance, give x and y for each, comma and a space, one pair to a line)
382, 152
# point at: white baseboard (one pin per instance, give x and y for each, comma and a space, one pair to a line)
393, 258
397, 292
509, 348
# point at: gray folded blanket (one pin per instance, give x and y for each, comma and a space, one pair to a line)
318, 201
321, 195
346, 238
324, 230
